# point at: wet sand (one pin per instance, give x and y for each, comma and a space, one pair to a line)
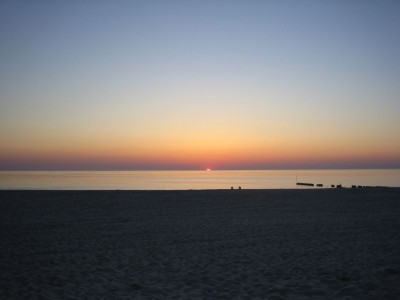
220, 244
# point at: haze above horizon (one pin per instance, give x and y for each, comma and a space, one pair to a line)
106, 85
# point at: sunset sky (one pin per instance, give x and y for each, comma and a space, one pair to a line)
92, 85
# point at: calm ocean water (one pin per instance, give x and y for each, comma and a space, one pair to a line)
185, 180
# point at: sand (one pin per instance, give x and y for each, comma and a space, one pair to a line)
248, 244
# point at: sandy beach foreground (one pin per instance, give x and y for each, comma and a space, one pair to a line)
248, 244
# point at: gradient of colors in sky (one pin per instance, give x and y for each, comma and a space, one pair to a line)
199, 84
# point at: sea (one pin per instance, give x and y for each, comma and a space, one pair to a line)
195, 180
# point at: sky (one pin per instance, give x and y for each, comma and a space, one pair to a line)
136, 85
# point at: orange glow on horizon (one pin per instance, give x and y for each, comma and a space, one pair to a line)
195, 149
188, 158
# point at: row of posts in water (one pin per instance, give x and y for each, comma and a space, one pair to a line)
332, 186
338, 186
320, 185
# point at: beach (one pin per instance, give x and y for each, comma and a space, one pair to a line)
200, 244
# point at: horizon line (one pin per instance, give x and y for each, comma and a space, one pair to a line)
206, 169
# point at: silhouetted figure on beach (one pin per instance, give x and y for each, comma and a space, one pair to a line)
240, 187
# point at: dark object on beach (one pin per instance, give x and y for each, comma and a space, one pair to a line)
344, 279
136, 286
339, 186
303, 183
320, 184
231, 187
240, 187
333, 185
353, 186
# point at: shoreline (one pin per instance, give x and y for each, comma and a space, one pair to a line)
200, 244
219, 189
